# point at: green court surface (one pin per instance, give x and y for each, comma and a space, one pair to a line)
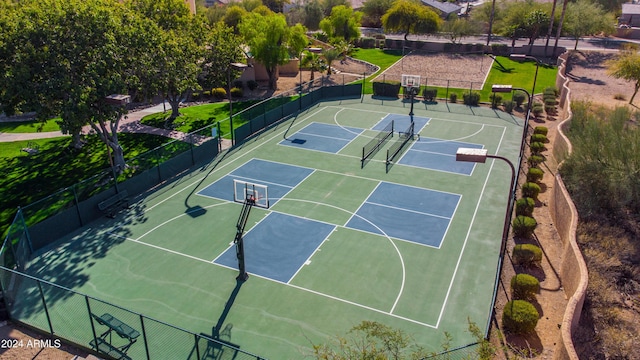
413, 245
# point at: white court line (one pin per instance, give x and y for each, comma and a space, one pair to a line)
408, 210
466, 239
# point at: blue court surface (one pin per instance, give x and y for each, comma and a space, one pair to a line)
406, 213
278, 246
438, 154
322, 137
278, 177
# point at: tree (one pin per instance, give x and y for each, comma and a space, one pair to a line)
313, 62
374, 10
222, 48
233, 16
456, 29
410, 18
313, 14
534, 21
328, 5
271, 41
330, 55
626, 66
67, 56
343, 23
177, 55
585, 18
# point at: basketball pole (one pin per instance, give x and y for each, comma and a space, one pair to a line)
411, 97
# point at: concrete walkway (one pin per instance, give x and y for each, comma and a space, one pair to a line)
129, 125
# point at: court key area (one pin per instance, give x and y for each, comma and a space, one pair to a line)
405, 236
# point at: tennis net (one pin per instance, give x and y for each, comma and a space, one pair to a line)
372, 147
403, 138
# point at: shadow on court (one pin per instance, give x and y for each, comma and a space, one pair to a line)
216, 350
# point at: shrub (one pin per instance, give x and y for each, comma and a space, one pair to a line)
219, 93
552, 90
471, 98
386, 88
524, 286
519, 317
541, 130
239, 84
525, 206
537, 147
252, 84
530, 189
519, 97
550, 102
429, 94
534, 160
539, 138
523, 226
537, 109
496, 99
453, 98
509, 105
526, 254
237, 92
534, 174
619, 97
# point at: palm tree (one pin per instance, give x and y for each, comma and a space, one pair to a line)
330, 55
313, 62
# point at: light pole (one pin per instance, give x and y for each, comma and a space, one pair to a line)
522, 57
480, 156
234, 66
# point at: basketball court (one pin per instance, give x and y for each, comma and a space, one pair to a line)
329, 239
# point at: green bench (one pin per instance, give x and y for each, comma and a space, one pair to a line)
111, 205
121, 329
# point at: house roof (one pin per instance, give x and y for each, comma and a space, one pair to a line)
445, 7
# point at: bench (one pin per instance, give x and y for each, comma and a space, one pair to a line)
101, 345
110, 206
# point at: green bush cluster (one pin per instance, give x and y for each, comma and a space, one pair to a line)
509, 105
219, 93
537, 109
453, 98
524, 286
523, 226
237, 92
535, 160
519, 97
252, 84
429, 94
537, 147
496, 99
531, 190
541, 130
538, 138
534, 174
519, 317
525, 206
471, 98
386, 88
527, 255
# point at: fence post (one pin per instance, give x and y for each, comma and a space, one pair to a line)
26, 230
195, 337
46, 310
93, 327
77, 203
144, 338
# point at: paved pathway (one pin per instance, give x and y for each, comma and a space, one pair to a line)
129, 125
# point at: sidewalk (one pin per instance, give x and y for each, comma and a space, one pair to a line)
129, 125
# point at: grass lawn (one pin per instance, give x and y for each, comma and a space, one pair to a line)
519, 74
29, 126
28, 178
383, 58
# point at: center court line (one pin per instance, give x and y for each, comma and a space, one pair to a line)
408, 210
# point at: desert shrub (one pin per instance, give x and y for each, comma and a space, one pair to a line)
550, 102
537, 147
237, 92
525, 206
471, 98
519, 97
523, 226
219, 93
534, 174
509, 105
429, 94
619, 97
519, 317
541, 130
386, 88
551, 90
526, 254
534, 160
252, 84
539, 138
524, 286
537, 108
453, 98
496, 99
530, 189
